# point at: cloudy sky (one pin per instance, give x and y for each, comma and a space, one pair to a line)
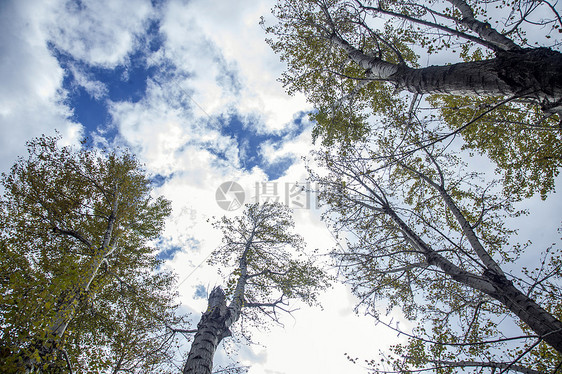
190, 87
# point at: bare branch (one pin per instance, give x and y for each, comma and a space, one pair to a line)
68, 365
464, 344
449, 30
183, 331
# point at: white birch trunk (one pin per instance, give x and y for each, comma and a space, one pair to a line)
215, 323
64, 315
493, 284
534, 74
483, 29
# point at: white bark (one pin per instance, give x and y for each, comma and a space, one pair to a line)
378, 69
532, 74
216, 321
484, 30
60, 322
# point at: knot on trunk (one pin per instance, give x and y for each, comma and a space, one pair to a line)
497, 279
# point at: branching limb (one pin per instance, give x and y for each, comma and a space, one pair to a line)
466, 227
274, 304
481, 41
520, 356
464, 344
182, 331
404, 268
267, 272
68, 365
484, 30
73, 234
553, 9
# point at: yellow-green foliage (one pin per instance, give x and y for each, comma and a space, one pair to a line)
54, 213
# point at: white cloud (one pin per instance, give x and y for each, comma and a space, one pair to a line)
99, 32
93, 87
230, 31
31, 95
295, 147
317, 340
167, 136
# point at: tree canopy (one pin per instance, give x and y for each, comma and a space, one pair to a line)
491, 82
395, 84
81, 284
268, 268
422, 233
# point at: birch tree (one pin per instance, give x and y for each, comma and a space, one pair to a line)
357, 59
270, 269
76, 228
422, 234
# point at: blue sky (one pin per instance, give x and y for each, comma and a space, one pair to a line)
90, 90
121, 97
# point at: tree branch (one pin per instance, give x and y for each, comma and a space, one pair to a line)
183, 331
73, 234
464, 344
485, 31
449, 30
465, 226
68, 365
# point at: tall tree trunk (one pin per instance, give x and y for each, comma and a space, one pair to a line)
497, 286
539, 320
211, 329
535, 74
65, 313
548, 327
216, 321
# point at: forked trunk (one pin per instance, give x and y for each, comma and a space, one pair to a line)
497, 286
